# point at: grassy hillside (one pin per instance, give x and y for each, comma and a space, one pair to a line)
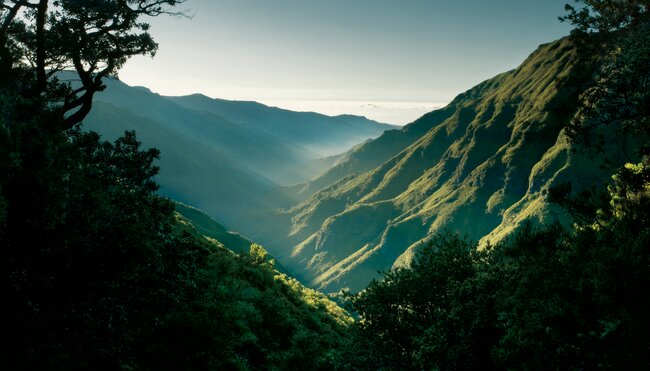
372, 153
211, 229
214, 231
479, 166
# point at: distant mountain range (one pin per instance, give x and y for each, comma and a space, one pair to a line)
228, 158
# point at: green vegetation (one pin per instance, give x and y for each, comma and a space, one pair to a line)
98, 270
210, 229
605, 16
541, 299
478, 167
100, 274
484, 165
545, 297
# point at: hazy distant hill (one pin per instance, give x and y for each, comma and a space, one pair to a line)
324, 135
192, 172
479, 166
278, 144
227, 158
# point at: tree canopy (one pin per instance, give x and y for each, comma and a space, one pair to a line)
605, 15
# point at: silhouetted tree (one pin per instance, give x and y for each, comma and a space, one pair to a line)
606, 15
619, 40
94, 38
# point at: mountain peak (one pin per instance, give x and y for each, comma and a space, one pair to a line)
479, 166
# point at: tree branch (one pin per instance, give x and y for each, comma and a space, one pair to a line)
41, 79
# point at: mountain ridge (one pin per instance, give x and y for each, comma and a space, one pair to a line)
483, 164
301, 128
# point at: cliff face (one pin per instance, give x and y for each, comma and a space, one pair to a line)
479, 167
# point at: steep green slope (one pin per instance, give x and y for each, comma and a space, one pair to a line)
372, 153
484, 165
248, 315
211, 229
215, 232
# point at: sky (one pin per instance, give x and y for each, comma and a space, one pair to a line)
389, 60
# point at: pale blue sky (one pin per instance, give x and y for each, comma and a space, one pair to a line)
389, 60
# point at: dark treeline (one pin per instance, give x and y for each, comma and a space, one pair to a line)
98, 272
546, 299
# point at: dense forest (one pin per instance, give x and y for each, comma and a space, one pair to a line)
97, 271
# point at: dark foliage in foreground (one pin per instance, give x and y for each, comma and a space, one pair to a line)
97, 272
544, 299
